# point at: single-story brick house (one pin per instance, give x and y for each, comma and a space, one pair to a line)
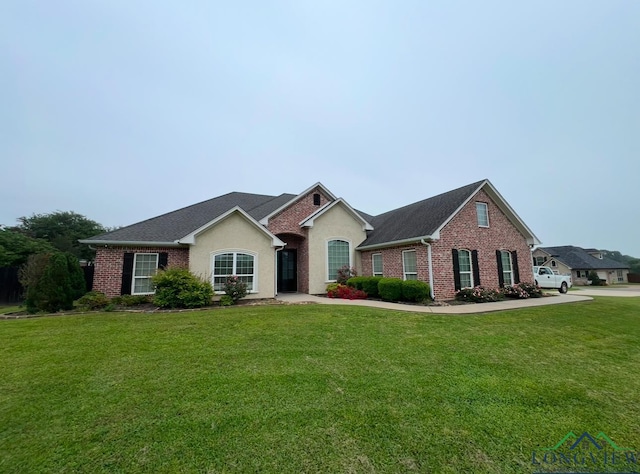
462, 238
579, 262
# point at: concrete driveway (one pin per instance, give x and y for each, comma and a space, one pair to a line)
622, 291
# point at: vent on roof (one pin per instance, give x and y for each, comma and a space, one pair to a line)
316, 199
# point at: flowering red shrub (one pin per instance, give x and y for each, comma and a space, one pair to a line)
345, 292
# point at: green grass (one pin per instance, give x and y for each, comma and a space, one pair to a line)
315, 388
10, 309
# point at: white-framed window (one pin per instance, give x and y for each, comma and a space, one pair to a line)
465, 268
145, 265
553, 263
338, 256
538, 261
507, 268
482, 210
376, 264
581, 273
409, 265
620, 276
234, 263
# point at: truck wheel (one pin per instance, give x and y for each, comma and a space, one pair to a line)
563, 288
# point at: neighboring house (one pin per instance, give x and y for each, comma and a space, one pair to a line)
578, 262
463, 238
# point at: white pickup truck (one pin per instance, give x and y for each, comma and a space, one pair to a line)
545, 278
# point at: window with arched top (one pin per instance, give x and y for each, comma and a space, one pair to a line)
234, 263
338, 256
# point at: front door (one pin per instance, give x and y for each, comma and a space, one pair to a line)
287, 271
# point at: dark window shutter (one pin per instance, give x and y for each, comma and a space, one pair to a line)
456, 269
163, 257
500, 269
476, 268
127, 274
514, 264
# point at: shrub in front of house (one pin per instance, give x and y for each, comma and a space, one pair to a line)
235, 288
595, 279
179, 288
390, 289
522, 291
131, 300
346, 292
344, 273
92, 301
368, 284
415, 291
479, 294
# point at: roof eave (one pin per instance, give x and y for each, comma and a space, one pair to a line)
130, 243
397, 243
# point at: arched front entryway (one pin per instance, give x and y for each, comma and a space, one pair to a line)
292, 266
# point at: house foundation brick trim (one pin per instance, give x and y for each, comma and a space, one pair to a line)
109, 262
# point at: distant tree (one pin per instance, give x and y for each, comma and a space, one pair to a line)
633, 262
15, 247
62, 229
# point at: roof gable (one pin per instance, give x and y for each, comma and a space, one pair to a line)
425, 219
191, 237
309, 221
294, 199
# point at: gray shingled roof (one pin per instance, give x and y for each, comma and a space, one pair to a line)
177, 224
419, 219
416, 220
577, 258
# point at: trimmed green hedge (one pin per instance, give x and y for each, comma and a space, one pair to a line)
368, 284
415, 291
390, 289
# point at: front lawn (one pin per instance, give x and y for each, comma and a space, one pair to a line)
315, 388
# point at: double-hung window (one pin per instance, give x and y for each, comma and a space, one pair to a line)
409, 265
242, 265
482, 210
376, 264
338, 256
465, 268
507, 268
145, 266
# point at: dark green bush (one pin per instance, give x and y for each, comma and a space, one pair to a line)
370, 286
52, 282
131, 300
415, 291
390, 289
595, 279
356, 282
226, 300
179, 288
92, 301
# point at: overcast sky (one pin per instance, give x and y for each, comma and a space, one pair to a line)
122, 110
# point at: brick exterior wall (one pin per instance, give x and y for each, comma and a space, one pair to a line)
462, 232
288, 220
286, 226
109, 261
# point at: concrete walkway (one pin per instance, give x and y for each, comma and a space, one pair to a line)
555, 298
